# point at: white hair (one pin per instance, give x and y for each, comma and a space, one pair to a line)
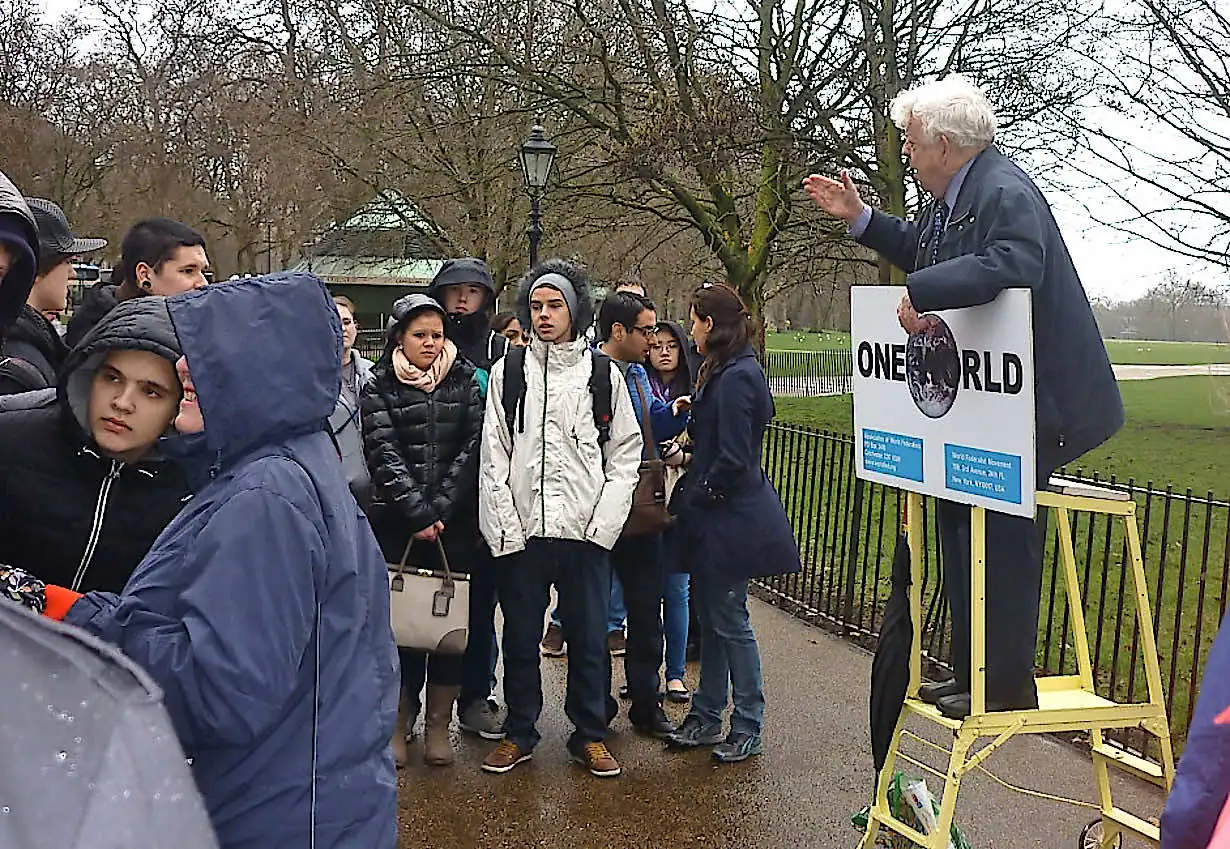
952, 107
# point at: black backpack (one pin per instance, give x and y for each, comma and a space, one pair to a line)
22, 373
513, 392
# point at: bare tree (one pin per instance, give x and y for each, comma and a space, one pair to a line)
1160, 141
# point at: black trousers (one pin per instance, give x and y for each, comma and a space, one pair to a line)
480, 657
581, 572
638, 561
1013, 594
417, 667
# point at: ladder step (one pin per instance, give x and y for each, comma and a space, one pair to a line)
1134, 824
1141, 768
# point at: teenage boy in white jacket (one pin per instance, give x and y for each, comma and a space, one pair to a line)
552, 503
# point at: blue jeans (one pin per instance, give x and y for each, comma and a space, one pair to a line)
675, 622
729, 656
617, 613
581, 572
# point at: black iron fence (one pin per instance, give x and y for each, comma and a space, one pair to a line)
846, 529
809, 373
370, 343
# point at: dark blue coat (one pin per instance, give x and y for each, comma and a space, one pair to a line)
1001, 235
1202, 780
223, 610
731, 520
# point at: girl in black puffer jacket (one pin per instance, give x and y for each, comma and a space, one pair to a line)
422, 417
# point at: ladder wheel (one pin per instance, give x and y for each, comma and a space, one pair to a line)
1091, 836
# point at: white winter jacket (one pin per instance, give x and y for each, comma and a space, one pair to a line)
552, 480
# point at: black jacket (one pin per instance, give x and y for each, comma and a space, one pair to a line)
34, 342
98, 300
472, 334
69, 514
1001, 235
16, 220
422, 451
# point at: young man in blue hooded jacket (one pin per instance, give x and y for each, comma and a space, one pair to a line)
262, 611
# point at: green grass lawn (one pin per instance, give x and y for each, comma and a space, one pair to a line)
830, 340
1122, 351
1134, 352
1177, 432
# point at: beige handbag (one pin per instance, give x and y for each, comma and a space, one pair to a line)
429, 609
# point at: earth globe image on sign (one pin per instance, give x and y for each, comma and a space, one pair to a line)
933, 368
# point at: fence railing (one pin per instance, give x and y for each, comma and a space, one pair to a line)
809, 373
370, 343
846, 529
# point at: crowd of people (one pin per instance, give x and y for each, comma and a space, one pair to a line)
202, 488
213, 480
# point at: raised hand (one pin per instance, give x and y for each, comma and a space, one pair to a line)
838, 198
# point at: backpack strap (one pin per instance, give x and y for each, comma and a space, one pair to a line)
512, 393
25, 374
600, 389
497, 346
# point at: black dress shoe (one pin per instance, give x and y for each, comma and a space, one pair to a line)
932, 693
958, 706
654, 724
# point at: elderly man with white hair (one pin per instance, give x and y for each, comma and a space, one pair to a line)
987, 228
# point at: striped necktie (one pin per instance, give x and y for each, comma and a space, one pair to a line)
938, 221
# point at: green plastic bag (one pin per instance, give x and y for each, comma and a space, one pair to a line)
902, 812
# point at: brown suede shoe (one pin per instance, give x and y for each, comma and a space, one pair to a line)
617, 643
505, 757
597, 758
553, 641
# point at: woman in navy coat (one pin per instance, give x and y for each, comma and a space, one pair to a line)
732, 525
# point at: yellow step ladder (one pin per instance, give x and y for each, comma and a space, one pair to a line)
1065, 702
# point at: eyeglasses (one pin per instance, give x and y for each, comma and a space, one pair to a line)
645, 329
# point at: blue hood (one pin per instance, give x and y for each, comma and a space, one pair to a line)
265, 358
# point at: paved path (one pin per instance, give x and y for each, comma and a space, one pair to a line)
800, 386
798, 795
1150, 372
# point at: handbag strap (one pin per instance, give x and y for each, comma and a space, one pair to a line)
448, 572
647, 442
405, 555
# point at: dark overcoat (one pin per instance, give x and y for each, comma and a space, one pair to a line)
731, 520
1001, 235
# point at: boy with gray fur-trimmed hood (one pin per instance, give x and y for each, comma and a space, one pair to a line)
553, 501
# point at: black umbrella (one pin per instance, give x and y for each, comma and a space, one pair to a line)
890, 671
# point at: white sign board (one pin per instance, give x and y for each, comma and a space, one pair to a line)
947, 412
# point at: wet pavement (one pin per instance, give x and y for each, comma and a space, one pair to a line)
815, 772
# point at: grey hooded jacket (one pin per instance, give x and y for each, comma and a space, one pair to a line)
90, 758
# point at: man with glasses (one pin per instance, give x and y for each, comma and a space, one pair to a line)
628, 325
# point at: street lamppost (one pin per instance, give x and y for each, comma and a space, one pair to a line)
537, 157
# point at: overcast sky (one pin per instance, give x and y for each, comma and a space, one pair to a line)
1111, 264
